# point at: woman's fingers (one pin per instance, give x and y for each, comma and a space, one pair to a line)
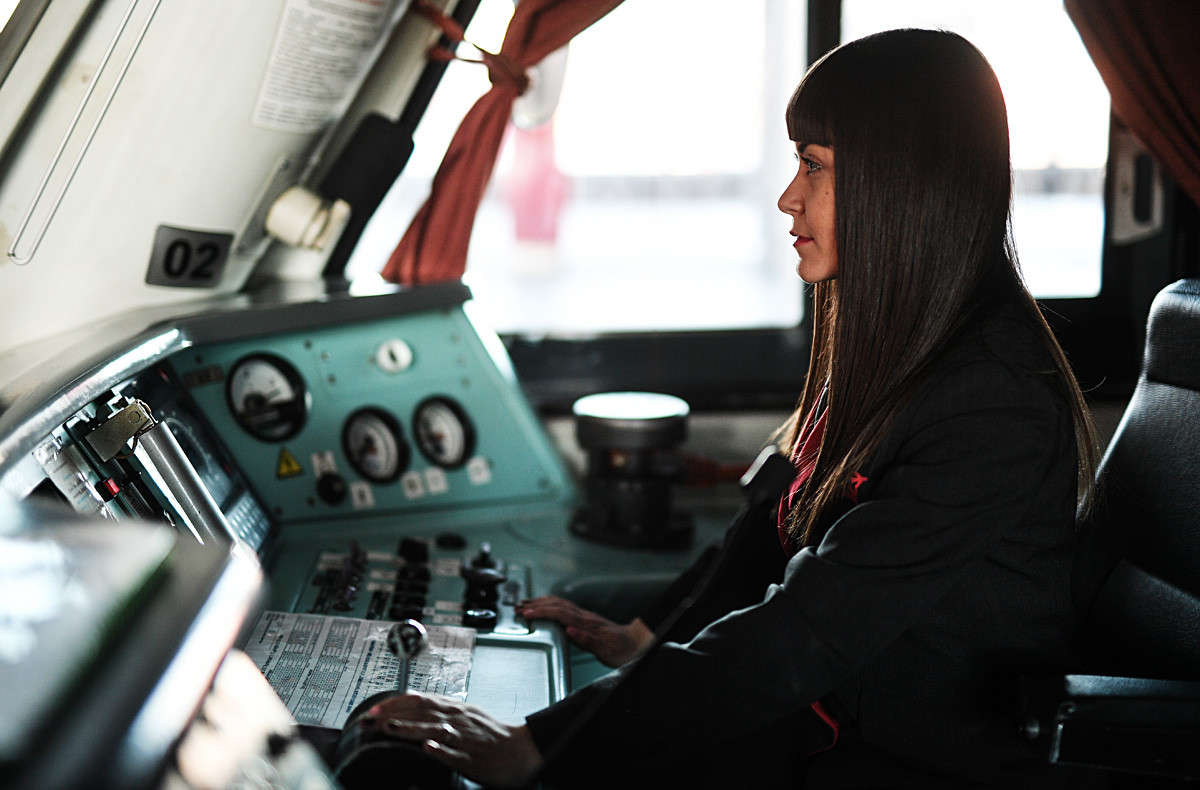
463, 737
612, 643
452, 758
562, 612
415, 730
550, 607
411, 709
440, 731
550, 603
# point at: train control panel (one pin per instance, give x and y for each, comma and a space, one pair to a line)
371, 456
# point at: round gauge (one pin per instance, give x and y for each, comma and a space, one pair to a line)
443, 432
267, 397
374, 445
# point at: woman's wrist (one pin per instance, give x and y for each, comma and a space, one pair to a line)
641, 635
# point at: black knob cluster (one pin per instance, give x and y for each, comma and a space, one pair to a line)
412, 581
481, 600
415, 593
339, 585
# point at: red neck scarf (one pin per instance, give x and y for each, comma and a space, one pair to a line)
805, 460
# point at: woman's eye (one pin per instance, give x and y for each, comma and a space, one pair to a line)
809, 165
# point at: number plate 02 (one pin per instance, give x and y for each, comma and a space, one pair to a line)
185, 258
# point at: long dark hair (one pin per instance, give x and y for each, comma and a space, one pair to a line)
923, 185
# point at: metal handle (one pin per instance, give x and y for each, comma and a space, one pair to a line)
406, 639
179, 477
13, 255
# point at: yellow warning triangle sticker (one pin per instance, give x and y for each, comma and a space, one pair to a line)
288, 465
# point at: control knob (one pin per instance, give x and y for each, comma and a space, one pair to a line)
483, 585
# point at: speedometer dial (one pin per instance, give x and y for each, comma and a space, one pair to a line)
374, 445
266, 396
443, 432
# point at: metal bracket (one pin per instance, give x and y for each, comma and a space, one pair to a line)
109, 440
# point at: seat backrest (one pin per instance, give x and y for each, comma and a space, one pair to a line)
1137, 577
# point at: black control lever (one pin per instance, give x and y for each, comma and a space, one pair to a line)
483, 575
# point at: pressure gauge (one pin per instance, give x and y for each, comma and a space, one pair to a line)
266, 396
443, 432
374, 445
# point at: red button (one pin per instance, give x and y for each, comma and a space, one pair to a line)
109, 489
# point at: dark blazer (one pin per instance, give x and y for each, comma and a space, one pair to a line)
911, 616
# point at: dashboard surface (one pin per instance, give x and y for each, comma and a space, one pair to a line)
374, 455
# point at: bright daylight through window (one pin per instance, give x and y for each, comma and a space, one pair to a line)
648, 202
1057, 118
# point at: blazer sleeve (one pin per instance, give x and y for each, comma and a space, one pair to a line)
959, 468
724, 578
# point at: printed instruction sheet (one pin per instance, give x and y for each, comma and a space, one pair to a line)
323, 666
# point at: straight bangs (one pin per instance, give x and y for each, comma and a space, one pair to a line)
922, 180
810, 110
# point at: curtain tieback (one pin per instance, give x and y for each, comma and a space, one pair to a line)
502, 70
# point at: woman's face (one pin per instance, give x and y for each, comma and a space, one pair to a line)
808, 200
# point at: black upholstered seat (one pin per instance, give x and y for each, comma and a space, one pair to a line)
1137, 580
1139, 574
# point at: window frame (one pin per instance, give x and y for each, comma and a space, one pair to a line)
765, 368
713, 369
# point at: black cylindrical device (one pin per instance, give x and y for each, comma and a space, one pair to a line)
630, 440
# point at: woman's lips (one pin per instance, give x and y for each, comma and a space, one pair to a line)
801, 241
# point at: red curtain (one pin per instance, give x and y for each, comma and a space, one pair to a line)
434, 248
1148, 54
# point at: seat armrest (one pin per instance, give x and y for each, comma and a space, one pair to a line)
1122, 724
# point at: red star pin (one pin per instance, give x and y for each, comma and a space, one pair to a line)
856, 483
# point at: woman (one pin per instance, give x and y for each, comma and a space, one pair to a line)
920, 562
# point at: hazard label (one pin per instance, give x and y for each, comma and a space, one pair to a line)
288, 465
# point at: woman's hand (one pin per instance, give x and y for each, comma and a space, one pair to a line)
460, 736
610, 642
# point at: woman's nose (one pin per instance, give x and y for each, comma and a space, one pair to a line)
791, 201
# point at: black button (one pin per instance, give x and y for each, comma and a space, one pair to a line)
451, 541
332, 489
413, 550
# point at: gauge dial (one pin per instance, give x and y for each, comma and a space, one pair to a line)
443, 432
267, 397
374, 444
